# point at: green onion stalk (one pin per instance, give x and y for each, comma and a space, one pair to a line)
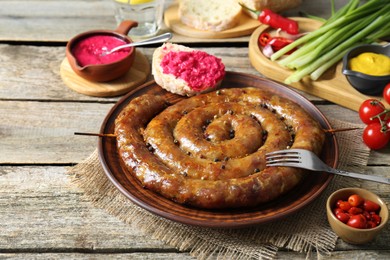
350, 26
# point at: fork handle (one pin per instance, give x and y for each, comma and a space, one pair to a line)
361, 176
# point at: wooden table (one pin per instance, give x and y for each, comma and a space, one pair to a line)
41, 214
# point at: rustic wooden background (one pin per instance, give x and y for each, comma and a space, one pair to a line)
41, 214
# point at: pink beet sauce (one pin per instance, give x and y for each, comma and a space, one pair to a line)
89, 51
199, 69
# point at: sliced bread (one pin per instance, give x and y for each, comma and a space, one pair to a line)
210, 15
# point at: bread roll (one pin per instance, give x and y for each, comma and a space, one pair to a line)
210, 15
274, 5
183, 74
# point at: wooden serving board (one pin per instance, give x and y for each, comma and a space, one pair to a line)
136, 76
332, 85
245, 27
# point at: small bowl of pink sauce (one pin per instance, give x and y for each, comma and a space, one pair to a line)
85, 53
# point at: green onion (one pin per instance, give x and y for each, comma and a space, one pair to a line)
351, 25
343, 47
304, 14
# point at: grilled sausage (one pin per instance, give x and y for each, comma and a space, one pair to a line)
209, 150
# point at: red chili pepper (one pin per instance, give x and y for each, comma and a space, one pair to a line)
277, 21
279, 42
274, 20
264, 38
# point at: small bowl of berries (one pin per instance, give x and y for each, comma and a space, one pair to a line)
356, 215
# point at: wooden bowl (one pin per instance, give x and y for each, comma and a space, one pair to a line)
107, 71
355, 235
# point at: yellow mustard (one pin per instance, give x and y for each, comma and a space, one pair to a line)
370, 63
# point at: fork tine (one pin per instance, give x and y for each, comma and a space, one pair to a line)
279, 152
286, 151
294, 160
281, 156
282, 164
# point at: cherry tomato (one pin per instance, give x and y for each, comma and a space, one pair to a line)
376, 218
338, 203
367, 215
370, 108
355, 200
344, 205
355, 211
337, 211
374, 137
357, 221
343, 217
370, 224
386, 93
371, 206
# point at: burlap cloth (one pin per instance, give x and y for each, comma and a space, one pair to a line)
305, 231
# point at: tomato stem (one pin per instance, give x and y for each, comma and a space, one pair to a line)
382, 122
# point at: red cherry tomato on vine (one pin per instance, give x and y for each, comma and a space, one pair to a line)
370, 108
373, 136
355, 200
386, 93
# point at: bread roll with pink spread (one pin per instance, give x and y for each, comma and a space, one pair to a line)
185, 71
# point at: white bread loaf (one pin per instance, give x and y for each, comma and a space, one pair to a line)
274, 5
174, 83
210, 15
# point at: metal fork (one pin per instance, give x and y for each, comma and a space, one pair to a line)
305, 159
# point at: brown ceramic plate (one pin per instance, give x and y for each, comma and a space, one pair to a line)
306, 192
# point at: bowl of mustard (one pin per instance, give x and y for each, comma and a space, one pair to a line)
367, 68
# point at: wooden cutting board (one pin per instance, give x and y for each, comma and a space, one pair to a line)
245, 27
137, 75
332, 85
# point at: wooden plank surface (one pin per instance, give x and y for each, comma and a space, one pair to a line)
44, 216
39, 78
46, 130
44, 127
42, 212
58, 21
